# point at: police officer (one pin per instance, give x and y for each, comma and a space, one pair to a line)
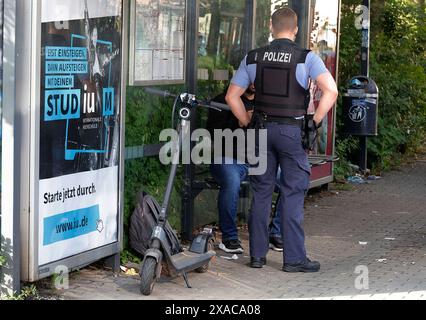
281, 73
229, 171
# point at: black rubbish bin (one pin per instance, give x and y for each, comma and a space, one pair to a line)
360, 107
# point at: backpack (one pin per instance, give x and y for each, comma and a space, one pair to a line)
143, 221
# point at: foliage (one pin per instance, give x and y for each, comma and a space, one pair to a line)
397, 64
264, 8
128, 255
343, 168
27, 293
207, 88
2, 261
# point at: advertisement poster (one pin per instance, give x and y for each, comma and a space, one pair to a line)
79, 126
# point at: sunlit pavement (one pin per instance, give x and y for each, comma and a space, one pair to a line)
371, 242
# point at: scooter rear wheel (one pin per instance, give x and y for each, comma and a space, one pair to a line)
148, 276
205, 268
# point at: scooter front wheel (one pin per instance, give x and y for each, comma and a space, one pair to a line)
148, 276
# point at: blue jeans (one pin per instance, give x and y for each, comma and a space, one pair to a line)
229, 177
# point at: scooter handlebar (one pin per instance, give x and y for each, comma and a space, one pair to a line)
207, 104
214, 105
161, 93
220, 106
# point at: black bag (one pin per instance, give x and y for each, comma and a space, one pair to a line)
309, 132
143, 221
257, 120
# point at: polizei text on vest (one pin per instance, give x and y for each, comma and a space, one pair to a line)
283, 57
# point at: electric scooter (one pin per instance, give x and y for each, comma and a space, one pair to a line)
201, 251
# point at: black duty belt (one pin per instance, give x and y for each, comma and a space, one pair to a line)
285, 120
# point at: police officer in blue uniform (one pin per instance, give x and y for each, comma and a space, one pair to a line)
282, 72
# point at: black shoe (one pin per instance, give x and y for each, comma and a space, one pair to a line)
276, 244
257, 262
231, 246
306, 266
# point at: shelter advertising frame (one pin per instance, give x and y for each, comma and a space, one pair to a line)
72, 180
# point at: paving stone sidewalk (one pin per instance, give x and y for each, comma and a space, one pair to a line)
379, 227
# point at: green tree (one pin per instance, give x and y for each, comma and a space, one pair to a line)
398, 64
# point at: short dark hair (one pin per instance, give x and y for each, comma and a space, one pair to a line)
284, 19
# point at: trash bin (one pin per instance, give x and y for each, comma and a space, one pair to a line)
360, 107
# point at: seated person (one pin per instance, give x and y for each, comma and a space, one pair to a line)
229, 177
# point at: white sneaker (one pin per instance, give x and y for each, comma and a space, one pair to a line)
231, 246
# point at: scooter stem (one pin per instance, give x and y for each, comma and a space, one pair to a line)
175, 160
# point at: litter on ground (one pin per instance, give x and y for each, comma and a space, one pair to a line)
356, 180
234, 257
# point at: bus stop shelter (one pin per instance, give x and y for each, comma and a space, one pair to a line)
66, 66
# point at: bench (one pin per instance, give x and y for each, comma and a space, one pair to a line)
211, 184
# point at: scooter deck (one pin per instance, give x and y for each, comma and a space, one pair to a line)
187, 261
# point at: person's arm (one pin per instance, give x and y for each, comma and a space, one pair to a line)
325, 82
233, 99
242, 79
329, 95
